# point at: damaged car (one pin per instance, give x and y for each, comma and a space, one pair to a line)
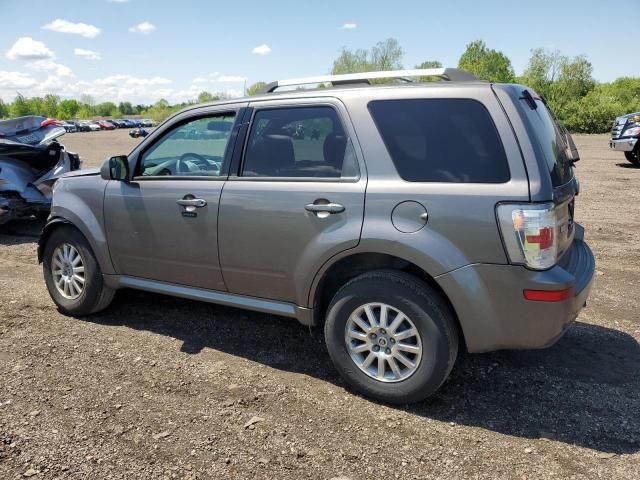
31, 160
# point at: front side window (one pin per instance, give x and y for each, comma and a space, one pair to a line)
441, 140
299, 142
194, 149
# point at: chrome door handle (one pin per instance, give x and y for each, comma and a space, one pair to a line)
326, 207
192, 202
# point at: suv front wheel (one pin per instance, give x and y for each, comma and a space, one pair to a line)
72, 274
391, 336
634, 156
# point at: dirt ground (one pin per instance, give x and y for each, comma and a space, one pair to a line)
157, 387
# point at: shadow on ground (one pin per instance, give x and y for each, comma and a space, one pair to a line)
628, 165
585, 390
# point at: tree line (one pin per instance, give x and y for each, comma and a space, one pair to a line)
566, 83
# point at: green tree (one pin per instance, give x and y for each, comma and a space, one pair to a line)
624, 91
162, 103
68, 109
106, 109
560, 79
384, 55
50, 105
87, 106
429, 64
125, 108
204, 97
256, 88
85, 111
20, 107
36, 105
4, 109
486, 63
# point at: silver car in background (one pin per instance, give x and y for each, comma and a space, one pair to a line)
407, 219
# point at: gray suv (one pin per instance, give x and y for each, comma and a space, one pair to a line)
409, 220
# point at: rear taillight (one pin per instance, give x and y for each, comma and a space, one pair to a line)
530, 234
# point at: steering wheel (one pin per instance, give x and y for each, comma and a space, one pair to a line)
199, 160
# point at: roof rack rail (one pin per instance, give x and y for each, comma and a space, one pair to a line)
450, 74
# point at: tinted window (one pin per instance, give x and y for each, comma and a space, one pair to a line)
553, 140
195, 148
441, 140
299, 142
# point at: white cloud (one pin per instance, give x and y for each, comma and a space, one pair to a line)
52, 84
350, 26
144, 27
263, 49
64, 26
131, 81
52, 67
26, 48
16, 80
115, 88
217, 77
87, 54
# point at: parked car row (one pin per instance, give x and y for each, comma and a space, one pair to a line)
72, 126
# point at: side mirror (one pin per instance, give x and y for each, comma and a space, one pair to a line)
116, 168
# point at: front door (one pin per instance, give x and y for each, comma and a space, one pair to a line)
162, 225
297, 200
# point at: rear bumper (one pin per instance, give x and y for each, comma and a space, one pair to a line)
493, 312
623, 145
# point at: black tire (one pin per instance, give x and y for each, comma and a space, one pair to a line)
634, 156
429, 313
96, 295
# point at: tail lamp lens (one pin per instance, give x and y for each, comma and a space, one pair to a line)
530, 234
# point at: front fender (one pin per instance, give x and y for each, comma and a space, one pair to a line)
79, 202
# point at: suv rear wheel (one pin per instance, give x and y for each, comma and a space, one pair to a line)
72, 274
391, 336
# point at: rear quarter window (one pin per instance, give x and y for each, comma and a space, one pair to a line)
441, 140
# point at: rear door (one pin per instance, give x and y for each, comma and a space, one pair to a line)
163, 224
297, 199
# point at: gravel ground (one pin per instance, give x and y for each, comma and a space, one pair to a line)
156, 387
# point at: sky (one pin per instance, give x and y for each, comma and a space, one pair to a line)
144, 50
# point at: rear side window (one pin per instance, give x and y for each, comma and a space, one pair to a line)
441, 140
299, 142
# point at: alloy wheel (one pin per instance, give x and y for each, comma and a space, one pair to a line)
67, 268
383, 342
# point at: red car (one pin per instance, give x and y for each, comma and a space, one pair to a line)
105, 125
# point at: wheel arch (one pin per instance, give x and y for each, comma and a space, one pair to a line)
343, 269
48, 229
102, 256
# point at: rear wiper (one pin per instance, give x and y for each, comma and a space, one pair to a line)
527, 97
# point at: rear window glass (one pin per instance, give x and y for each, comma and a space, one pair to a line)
553, 140
441, 140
